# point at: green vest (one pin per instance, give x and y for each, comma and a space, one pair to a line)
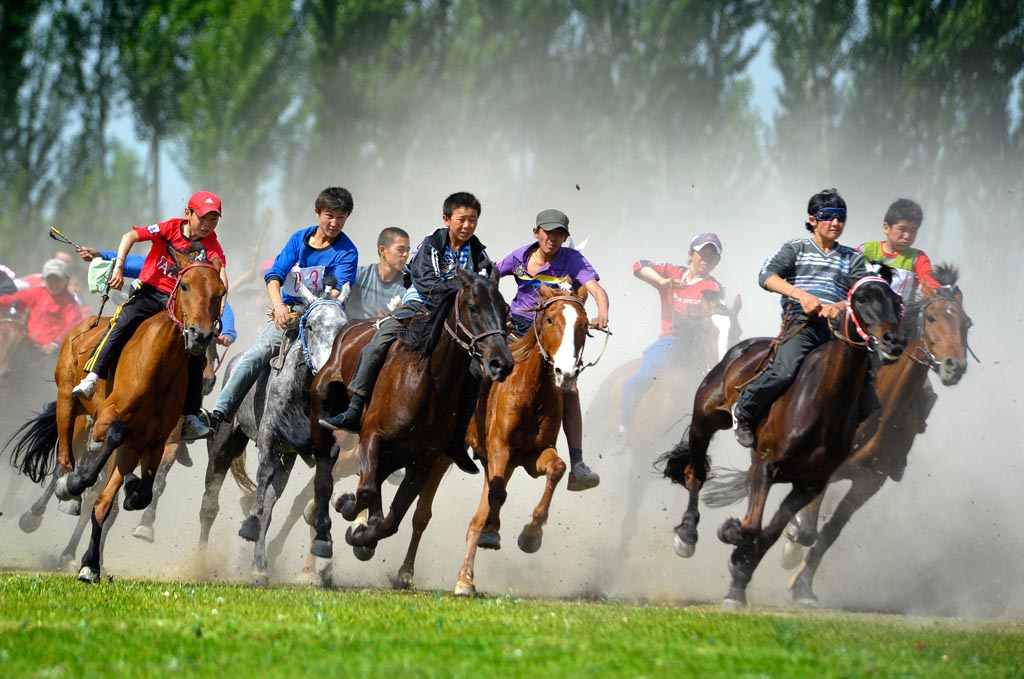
905, 260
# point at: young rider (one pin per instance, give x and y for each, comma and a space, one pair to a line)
689, 292
316, 256
450, 247
53, 310
546, 262
193, 236
825, 270
379, 283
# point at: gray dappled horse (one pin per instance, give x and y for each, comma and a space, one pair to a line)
275, 414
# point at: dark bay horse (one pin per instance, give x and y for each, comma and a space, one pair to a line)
806, 435
517, 422
937, 340
132, 413
410, 418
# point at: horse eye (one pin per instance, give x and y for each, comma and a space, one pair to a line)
183, 286
549, 321
474, 309
930, 318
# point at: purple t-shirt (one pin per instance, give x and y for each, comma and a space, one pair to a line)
568, 263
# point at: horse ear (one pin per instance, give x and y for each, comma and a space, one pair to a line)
465, 276
927, 292
345, 291
494, 275
583, 293
180, 259
304, 292
545, 291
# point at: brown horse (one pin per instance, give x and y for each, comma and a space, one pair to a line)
133, 411
517, 422
937, 331
410, 418
806, 435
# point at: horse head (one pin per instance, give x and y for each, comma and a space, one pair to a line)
875, 313
560, 325
481, 315
196, 301
942, 326
319, 325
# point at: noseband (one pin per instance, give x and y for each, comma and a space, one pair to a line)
302, 328
540, 346
851, 316
469, 347
172, 301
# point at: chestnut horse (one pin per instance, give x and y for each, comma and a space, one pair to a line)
517, 422
937, 331
805, 436
410, 418
133, 412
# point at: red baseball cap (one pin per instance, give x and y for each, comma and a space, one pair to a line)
202, 202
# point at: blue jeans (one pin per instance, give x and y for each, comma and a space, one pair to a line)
248, 368
658, 359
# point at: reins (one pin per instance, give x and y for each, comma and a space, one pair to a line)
580, 367
302, 329
469, 347
929, 360
172, 299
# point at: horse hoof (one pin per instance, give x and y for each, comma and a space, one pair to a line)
530, 539
403, 581
489, 539
356, 536
346, 506
307, 577
792, 555
364, 553
682, 548
309, 513
733, 604
729, 531
88, 575
72, 506
60, 489
259, 579
29, 522
250, 529
806, 601
465, 589
144, 532
322, 548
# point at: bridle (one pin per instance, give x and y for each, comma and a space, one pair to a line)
172, 300
302, 328
579, 366
922, 346
469, 347
851, 317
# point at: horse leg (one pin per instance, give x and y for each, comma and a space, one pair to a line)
367, 494
732, 531
687, 464
420, 520
297, 511
90, 571
553, 468
323, 486
31, 519
863, 489
67, 557
751, 550
144, 531
250, 528
221, 454
138, 491
282, 465
486, 512
369, 534
801, 532
73, 484
80, 430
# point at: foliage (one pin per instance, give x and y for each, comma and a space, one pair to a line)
55, 625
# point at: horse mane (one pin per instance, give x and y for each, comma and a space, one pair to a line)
946, 273
422, 333
523, 347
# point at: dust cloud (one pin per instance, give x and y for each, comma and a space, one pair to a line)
944, 541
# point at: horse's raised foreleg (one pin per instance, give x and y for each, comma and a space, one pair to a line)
687, 465
553, 468
367, 495
144, 531
138, 490
282, 468
420, 520
733, 532
863, 489
90, 571
750, 551
369, 534
228, 444
73, 484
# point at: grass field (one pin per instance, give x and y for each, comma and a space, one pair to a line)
53, 626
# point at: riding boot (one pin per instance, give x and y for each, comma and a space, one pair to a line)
457, 449
350, 420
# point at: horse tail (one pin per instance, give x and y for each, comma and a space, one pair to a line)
673, 464
241, 477
726, 487
35, 445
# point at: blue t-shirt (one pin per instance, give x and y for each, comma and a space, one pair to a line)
299, 261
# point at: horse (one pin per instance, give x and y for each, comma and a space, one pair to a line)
133, 411
12, 333
517, 422
274, 414
410, 418
806, 435
937, 328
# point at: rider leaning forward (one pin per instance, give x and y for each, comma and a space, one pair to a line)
546, 262
192, 236
814, 276
52, 308
432, 274
315, 257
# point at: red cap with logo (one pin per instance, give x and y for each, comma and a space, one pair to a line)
203, 202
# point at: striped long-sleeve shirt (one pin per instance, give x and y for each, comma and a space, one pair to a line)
827, 276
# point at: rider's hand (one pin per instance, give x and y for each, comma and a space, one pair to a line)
600, 322
88, 254
224, 340
810, 304
831, 311
281, 316
117, 275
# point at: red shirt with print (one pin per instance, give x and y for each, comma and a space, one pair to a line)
50, 318
680, 299
160, 269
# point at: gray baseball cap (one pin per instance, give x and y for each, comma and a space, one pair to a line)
549, 220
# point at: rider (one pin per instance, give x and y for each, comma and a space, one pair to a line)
378, 284
53, 310
315, 256
911, 268
431, 274
194, 236
546, 262
686, 293
825, 271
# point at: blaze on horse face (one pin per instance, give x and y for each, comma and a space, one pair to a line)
199, 321
482, 315
879, 311
562, 332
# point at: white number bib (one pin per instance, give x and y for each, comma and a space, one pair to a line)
310, 276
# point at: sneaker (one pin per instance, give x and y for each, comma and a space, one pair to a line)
744, 432
582, 477
193, 429
85, 389
459, 454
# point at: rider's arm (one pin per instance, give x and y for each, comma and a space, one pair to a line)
279, 309
646, 272
601, 297
129, 239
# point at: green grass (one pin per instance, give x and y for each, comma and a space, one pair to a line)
53, 626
